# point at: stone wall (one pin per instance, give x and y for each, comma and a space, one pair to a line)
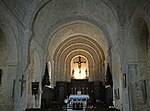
10, 62
136, 57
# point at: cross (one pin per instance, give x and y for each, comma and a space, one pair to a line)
22, 81
80, 62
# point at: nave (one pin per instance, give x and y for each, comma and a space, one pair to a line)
76, 40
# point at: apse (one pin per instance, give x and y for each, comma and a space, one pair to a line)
79, 67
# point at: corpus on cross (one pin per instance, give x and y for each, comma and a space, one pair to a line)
22, 81
80, 62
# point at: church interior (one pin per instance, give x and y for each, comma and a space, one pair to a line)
74, 55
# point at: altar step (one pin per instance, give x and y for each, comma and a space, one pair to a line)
45, 109
58, 109
103, 109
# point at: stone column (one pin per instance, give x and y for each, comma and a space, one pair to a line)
132, 72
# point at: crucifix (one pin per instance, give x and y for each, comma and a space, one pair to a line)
22, 81
79, 64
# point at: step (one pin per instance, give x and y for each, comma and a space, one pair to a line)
58, 109
45, 109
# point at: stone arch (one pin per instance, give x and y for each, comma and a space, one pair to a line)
3, 47
85, 54
61, 45
10, 41
78, 44
33, 9
63, 23
75, 19
32, 12
8, 63
138, 41
52, 27
37, 6
79, 40
75, 48
101, 42
138, 62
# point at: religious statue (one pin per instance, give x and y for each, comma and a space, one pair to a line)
86, 73
45, 79
73, 73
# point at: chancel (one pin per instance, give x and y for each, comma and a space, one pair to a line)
87, 55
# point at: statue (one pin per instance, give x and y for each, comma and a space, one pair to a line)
45, 79
73, 73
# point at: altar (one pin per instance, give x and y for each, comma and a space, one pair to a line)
77, 102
